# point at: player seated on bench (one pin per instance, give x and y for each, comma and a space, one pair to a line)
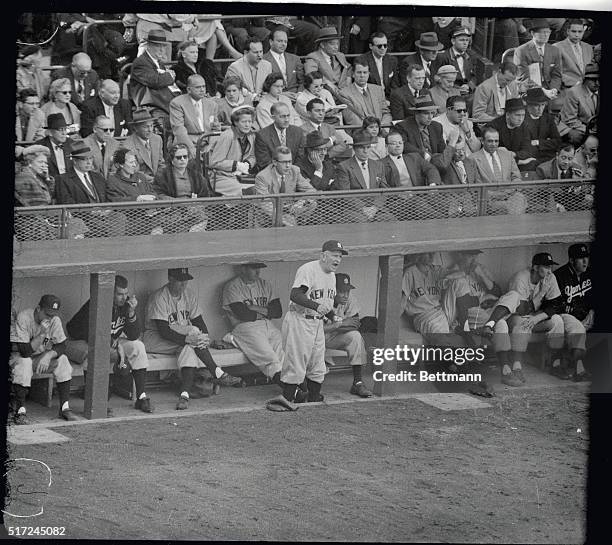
532, 305
344, 334
127, 354
38, 345
174, 325
250, 304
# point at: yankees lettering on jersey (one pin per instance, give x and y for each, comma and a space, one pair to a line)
315, 295
259, 293
419, 291
174, 310
259, 301
579, 290
321, 286
179, 317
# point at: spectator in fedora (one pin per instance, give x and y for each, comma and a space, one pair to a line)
491, 95
554, 108
329, 62
30, 120
150, 83
581, 105
539, 61
315, 165
444, 86
251, 68
427, 49
543, 134
146, 145
513, 134
458, 56
84, 81
59, 145
108, 103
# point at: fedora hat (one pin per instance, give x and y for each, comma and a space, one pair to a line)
362, 138
591, 70
315, 139
56, 121
514, 104
424, 104
535, 95
141, 116
328, 33
156, 36
429, 40
534, 24
80, 149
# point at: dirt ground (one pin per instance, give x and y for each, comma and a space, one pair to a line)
397, 470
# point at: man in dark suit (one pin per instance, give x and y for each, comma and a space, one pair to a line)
357, 30
108, 103
289, 65
82, 185
150, 83
458, 171
404, 97
84, 81
537, 59
458, 56
59, 145
513, 134
279, 133
408, 170
360, 172
543, 133
314, 165
383, 68
424, 136
427, 48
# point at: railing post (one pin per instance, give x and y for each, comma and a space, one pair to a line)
278, 212
482, 201
63, 232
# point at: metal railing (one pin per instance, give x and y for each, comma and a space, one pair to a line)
301, 209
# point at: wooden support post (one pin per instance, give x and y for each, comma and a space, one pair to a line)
389, 312
101, 291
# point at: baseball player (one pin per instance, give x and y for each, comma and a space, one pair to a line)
470, 294
532, 305
344, 334
574, 279
421, 295
251, 304
174, 325
38, 345
127, 352
312, 298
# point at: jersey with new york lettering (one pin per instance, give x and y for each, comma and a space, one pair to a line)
321, 285
237, 290
177, 311
25, 328
543, 290
421, 290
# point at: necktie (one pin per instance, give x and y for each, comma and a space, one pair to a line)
541, 54
365, 173
578, 53
497, 173
198, 107
283, 138
427, 72
461, 169
595, 97
425, 139
282, 183
331, 63
283, 66
90, 186
81, 89
103, 149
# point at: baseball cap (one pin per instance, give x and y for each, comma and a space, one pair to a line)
50, 304
334, 246
543, 259
343, 280
255, 265
181, 274
575, 251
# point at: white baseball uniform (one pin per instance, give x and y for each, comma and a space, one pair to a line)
302, 330
23, 330
178, 312
260, 340
351, 341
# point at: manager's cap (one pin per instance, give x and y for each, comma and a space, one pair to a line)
181, 274
543, 259
334, 246
343, 281
576, 251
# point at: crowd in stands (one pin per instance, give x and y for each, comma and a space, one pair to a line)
183, 128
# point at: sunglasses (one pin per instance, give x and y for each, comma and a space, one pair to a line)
460, 110
380, 46
64, 92
106, 130
181, 156
33, 103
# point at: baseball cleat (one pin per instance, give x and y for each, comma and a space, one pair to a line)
182, 404
561, 372
585, 375
511, 380
21, 419
359, 389
67, 414
228, 380
144, 405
